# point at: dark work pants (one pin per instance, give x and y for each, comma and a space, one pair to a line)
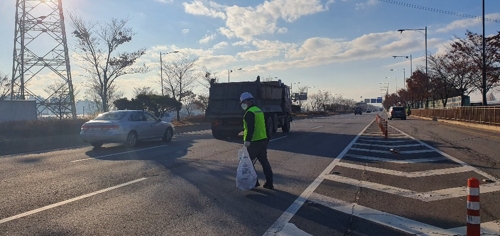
258, 149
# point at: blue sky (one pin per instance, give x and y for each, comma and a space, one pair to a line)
341, 46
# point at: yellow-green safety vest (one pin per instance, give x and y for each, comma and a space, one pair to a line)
259, 132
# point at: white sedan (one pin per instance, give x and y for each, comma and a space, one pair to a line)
125, 126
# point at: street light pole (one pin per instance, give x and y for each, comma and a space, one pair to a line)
161, 76
395, 79
161, 71
484, 65
411, 63
426, 69
404, 76
425, 33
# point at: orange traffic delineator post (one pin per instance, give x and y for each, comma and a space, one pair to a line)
473, 219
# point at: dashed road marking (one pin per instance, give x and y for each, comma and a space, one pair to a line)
119, 153
389, 152
383, 218
28, 213
422, 196
389, 146
415, 174
408, 161
280, 223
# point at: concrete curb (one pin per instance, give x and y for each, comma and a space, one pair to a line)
462, 123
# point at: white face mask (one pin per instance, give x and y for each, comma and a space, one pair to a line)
244, 106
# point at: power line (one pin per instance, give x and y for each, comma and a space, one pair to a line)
437, 10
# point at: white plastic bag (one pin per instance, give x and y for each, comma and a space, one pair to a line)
246, 177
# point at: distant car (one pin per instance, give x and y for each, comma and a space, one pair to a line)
368, 111
126, 127
397, 112
358, 111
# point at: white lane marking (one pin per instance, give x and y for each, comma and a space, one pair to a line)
407, 161
487, 228
297, 204
389, 146
451, 157
291, 229
383, 218
317, 127
119, 153
389, 152
415, 174
380, 140
28, 213
272, 140
422, 196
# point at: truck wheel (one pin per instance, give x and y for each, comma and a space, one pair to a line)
269, 126
276, 123
218, 134
286, 126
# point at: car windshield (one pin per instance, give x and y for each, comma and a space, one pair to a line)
398, 109
111, 116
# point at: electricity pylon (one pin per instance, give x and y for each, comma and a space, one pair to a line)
41, 55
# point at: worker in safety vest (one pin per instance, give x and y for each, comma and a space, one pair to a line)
255, 136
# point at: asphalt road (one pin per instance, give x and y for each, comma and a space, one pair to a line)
333, 176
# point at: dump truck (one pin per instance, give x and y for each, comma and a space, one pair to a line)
225, 113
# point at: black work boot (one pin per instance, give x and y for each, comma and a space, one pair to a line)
268, 186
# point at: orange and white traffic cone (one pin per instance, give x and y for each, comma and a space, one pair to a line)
473, 209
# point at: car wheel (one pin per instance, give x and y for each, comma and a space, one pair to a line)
269, 124
167, 136
131, 139
218, 134
276, 123
96, 144
286, 126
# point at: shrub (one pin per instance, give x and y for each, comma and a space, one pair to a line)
39, 128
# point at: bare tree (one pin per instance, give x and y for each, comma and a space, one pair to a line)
181, 78
206, 76
442, 79
4, 86
190, 103
97, 44
96, 101
471, 48
143, 90
320, 99
59, 99
491, 97
202, 102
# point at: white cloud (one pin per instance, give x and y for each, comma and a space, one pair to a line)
185, 31
248, 22
364, 5
164, 1
465, 23
220, 45
198, 7
207, 38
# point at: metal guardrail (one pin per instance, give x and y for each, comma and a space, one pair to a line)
476, 114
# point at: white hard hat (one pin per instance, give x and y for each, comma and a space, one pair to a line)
245, 96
